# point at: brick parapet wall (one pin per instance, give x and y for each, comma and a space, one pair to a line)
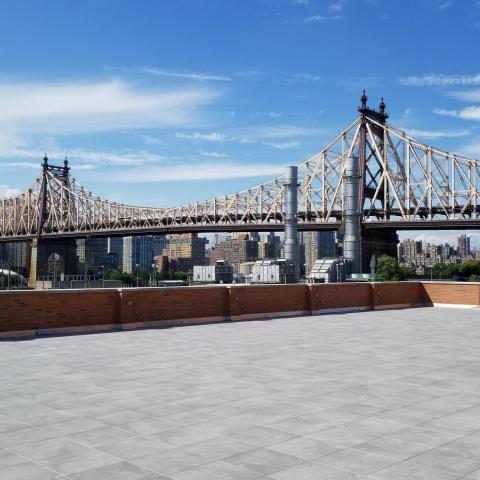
43, 312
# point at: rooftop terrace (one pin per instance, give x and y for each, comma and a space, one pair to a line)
387, 395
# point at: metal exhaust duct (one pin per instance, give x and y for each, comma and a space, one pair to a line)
352, 239
291, 227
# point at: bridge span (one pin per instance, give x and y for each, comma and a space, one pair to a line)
404, 185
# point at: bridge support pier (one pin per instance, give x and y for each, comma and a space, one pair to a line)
45, 251
378, 242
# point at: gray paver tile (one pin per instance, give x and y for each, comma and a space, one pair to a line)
217, 471
8, 459
263, 460
450, 460
134, 447
118, 471
313, 471
27, 471
394, 448
219, 447
18, 437
183, 435
79, 461
357, 461
101, 436
411, 471
305, 448
341, 437
171, 461
261, 436
47, 448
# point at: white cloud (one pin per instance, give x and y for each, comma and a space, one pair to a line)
6, 191
37, 166
468, 113
471, 150
283, 145
359, 83
303, 77
440, 80
82, 159
408, 111
314, 18
437, 134
159, 72
280, 131
211, 137
152, 140
94, 107
274, 115
445, 5
196, 172
214, 154
445, 113
336, 6
466, 95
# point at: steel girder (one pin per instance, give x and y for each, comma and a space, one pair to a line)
403, 180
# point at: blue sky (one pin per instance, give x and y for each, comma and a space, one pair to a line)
166, 102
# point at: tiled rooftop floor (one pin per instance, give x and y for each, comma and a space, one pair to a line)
391, 395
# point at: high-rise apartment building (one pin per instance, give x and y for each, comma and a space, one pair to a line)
236, 250
320, 244
138, 252
184, 251
269, 247
463, 248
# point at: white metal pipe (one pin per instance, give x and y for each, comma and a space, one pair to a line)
291, 227
352, 238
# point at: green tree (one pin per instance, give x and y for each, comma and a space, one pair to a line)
181, 276
469, 267
474, 278
389, 268
408, 272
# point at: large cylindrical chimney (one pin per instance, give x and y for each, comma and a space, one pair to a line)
352, 215
291, 237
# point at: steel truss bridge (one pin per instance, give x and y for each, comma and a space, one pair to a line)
405, 184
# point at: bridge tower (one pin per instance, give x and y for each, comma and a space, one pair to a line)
381, 241
52, 204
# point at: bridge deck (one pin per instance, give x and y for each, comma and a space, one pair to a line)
375, 395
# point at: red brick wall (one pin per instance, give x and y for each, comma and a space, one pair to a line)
159, 304
340, 295
261, 299
39, 310
397, 293
452, 293
32, 310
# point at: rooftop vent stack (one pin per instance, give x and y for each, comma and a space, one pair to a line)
352, 238
291, 227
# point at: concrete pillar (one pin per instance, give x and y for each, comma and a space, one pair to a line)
32, 273
352, 215
42, 249
291, 227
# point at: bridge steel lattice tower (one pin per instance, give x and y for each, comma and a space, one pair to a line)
53, 203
